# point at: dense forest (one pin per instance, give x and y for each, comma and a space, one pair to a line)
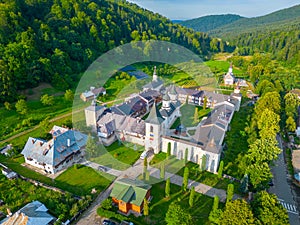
208, 23
54, 41
283, 43
276, 33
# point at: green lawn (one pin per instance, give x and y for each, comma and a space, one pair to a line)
40, 132
176, 166
188, 112
236, 142
158, 158
218, 67
208, 178
80, 180
159, 205
76, 181
118, 156
15, 165
15, 123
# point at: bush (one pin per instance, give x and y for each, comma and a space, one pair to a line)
111, 215
107, 204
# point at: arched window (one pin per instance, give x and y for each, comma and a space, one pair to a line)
151, 129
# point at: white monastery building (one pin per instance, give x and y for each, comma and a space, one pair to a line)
163, 104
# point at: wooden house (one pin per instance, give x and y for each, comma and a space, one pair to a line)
129, 195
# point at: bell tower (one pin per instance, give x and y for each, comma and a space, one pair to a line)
154, 130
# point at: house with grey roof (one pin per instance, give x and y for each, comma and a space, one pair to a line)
34, 213
92, 93
62, 151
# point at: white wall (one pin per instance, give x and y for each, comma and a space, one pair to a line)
195, 154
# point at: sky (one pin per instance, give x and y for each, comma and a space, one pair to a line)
188, 9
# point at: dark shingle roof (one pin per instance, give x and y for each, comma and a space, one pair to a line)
154, 116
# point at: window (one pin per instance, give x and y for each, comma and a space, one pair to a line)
151, 129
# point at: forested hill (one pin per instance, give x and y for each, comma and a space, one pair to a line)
55, 40
208, 23
274, 19
224, 25
277, 33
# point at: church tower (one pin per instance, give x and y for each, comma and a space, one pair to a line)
92, 113
173, 94
154, 124
166, 102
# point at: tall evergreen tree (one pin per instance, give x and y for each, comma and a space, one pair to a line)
230, 192
220, 171
186, 153
146, 207
168, 187
192, 196
162, 171
169, 150
185, 178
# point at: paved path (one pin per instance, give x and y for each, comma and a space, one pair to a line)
282, 187
90, 216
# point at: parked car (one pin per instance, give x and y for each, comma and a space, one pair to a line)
271, 183
102, 168
144, 155
108, 222
126, 223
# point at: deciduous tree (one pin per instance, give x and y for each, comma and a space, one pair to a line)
69, 95
237, 212
21, 107
47, 99
268, 210
177, 215
290, 124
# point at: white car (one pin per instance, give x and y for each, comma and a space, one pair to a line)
144, 155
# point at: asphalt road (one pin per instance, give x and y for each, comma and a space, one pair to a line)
283, 188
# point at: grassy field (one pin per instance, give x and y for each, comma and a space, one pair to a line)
208, 178
16, 193
80, 180
15, 123
236, 141
158, 158
118, 156
176, 166
39, 132
159, 205
188, 112
221, 67
15, 165
76, 181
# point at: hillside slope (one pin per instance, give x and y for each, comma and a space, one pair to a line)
208, 23
273, 20
54, 41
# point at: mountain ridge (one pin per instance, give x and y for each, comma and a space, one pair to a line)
244, 24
